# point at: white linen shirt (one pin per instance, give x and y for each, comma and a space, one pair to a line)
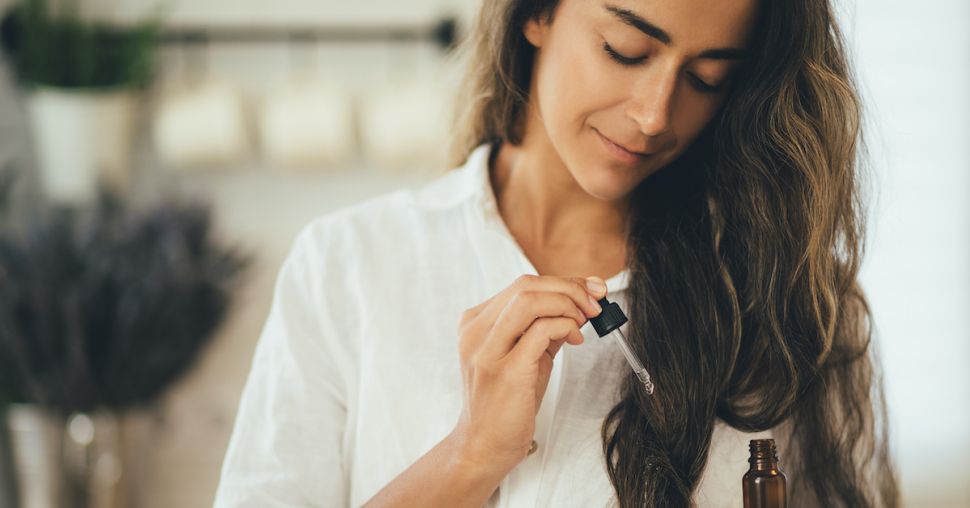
356, 373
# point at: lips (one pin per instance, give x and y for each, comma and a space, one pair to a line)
643, 153
619, 153
636, 152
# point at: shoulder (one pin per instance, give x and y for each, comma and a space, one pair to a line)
343, 228
382, 238
392, 216
405, 209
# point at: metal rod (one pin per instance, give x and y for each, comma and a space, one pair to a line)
442, 33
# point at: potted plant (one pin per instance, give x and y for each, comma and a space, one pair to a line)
81, 80
103, 308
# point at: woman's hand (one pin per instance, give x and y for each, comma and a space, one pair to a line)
507, 345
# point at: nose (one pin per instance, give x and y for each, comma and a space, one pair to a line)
652, 101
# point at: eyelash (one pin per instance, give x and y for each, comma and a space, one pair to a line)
630, 62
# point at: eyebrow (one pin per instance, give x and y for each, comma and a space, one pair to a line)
636, 21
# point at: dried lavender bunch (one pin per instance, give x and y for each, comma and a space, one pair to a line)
107, 306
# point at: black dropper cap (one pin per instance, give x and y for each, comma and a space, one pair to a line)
609, 319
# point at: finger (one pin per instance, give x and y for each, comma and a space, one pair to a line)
545, 333
575, 338
483, 317
519, 315
477, 309
573, 287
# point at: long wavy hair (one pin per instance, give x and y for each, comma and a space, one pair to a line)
748, 246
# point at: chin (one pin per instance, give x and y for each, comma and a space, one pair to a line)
606, 183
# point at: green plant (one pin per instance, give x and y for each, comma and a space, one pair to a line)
63, 50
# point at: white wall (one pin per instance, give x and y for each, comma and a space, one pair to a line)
914, 62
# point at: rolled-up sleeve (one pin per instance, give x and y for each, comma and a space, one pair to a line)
286, 447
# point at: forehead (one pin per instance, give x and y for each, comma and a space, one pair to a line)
689, 23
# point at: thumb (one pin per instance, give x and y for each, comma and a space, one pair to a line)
596, 286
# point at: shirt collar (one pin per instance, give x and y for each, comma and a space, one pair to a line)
469, 184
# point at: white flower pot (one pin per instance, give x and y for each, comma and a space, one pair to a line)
86, 460
201, 124
307, 123
81, 137
36, 451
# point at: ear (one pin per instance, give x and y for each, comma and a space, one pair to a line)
535, 30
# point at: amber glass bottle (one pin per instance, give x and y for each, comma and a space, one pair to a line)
764, 485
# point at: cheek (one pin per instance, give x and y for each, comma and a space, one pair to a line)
693, 118
574, 83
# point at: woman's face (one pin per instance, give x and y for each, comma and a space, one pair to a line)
656, 101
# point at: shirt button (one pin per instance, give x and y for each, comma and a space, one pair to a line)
534, 447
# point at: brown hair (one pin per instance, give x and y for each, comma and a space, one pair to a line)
750, 259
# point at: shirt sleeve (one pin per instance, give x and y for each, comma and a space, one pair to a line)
286, 447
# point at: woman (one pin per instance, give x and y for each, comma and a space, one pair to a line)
700, 157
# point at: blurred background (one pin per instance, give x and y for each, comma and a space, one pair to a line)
218, 128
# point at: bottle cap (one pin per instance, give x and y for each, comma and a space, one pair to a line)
609, 319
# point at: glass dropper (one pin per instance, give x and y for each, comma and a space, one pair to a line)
608, 322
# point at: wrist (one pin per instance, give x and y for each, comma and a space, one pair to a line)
469, 462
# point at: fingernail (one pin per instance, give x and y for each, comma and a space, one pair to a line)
596, 285
596, 304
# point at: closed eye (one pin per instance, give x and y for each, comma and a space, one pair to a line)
624, 60
633, 61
